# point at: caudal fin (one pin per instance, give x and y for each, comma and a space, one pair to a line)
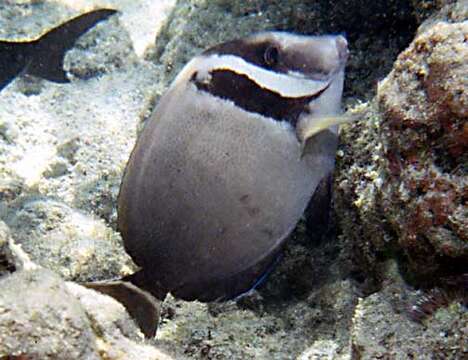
48, 52
141, 305
13, 59
43, 57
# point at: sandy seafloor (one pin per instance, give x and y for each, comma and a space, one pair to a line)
375, 285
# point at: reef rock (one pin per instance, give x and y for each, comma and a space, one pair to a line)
402, 181
45, 321
57, 320
424, 102
74, 244
383, 326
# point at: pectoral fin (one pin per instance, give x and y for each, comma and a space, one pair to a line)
141, 305
307, 128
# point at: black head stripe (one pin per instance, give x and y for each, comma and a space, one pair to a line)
253, 53
248, 95
299, 59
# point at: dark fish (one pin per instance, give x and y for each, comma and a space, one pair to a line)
43, 57
227, 164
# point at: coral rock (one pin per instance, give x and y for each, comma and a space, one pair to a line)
424, 102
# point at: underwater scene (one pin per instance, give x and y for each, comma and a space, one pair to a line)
252, 179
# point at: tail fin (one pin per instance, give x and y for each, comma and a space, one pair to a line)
50, 49
13, 59
43, 57
141, 305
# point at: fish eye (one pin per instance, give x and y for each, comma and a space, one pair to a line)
271, 55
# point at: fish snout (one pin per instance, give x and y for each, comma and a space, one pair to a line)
342, 48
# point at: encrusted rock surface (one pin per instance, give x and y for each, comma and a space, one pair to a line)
76, 245
44, 321
52, 319
424, 102
383, 329
63, 149
402, 180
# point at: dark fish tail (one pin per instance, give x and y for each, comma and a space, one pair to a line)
50, 49
142, 305
44, 57
13, 59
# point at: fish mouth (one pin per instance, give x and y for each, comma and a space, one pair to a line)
323, 78
342, 48
338, 59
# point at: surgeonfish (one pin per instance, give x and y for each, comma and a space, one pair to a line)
226, 165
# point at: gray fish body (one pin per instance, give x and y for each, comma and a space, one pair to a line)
213, 187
